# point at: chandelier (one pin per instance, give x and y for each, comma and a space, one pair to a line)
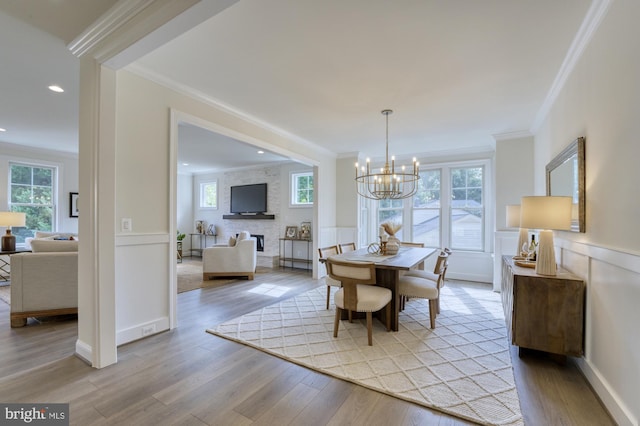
388, 183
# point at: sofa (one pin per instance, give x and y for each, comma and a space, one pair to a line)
238, 259
44, 282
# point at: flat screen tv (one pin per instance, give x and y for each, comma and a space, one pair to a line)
249, 198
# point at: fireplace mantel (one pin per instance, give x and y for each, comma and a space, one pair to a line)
249, 216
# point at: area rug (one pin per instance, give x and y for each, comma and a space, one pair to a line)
190, 276
461, 368
5, 294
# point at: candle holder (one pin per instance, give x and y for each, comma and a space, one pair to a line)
383, 246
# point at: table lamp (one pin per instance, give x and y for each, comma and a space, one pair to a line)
513, 221
10, 219
546, 213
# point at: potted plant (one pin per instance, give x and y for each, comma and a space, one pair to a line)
180, 237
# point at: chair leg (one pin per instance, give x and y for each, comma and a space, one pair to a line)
350, 317
387, 314
433, 306
438, 305
336, 323
328, 295
370, 328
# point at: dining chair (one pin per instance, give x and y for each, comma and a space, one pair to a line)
346, 247
324, 253
423, 288
359, 292
412, 244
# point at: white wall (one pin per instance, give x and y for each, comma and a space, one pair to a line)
67, 165
143, 191
601, 101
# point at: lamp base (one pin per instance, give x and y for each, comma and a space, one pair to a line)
8, 241
546, 260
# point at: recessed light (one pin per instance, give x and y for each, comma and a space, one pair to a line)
2, 130
185, 164
260, 152
56, 88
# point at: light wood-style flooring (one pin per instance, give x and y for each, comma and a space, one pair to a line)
189, 377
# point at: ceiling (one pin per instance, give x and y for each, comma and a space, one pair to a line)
457, 73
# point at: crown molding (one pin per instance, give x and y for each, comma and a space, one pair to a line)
106, 25
590, 24
512, 135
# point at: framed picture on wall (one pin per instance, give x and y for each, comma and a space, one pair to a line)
291, 232
73, 204
305, 230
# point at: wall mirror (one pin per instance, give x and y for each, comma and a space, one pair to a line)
565, 176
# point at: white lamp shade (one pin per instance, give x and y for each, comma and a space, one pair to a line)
513, 215
12, 219
541, 212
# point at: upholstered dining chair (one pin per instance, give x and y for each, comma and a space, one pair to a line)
422, 288
324, 253
346, 247
359, 292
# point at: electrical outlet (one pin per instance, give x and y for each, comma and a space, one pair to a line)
150, 329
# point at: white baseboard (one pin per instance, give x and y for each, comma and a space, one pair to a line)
140, 331
84, 351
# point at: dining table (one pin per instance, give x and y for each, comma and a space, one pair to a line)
388, 269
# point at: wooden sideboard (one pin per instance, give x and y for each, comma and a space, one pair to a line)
544, 313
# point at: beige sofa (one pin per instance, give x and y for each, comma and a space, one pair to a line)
45, 282
239, 259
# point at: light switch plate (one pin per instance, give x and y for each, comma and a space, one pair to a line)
126, 224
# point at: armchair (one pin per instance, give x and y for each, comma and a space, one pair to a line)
230, 261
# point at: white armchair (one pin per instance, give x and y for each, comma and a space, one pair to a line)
239, 260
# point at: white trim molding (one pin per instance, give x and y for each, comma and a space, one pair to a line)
592, 20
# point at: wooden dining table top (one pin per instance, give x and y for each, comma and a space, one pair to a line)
406, 258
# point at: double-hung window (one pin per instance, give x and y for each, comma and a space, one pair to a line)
302, 189
467, 208
391, 210
209, 195
448, 209
32, 191
427, 209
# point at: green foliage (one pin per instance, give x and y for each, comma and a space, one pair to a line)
180, 236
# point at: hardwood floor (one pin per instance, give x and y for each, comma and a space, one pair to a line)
189, 377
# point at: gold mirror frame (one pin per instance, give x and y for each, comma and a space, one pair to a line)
575, 149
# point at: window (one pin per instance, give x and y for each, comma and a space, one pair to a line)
209, 195
32, 192
426, 209
467, 208
390, 210
302, 189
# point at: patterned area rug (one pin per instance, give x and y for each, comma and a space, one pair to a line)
190, 276
462, 368
5, 294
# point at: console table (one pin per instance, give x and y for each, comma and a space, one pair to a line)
284, 259
5, 266
544, 313
202, 242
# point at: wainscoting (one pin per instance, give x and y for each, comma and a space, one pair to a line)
611, 362
143, 273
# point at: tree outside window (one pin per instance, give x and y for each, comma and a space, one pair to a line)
32, 192
302, 188
209, 195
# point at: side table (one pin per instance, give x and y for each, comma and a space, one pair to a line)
5, 264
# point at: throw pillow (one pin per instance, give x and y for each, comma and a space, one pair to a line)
232, 242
